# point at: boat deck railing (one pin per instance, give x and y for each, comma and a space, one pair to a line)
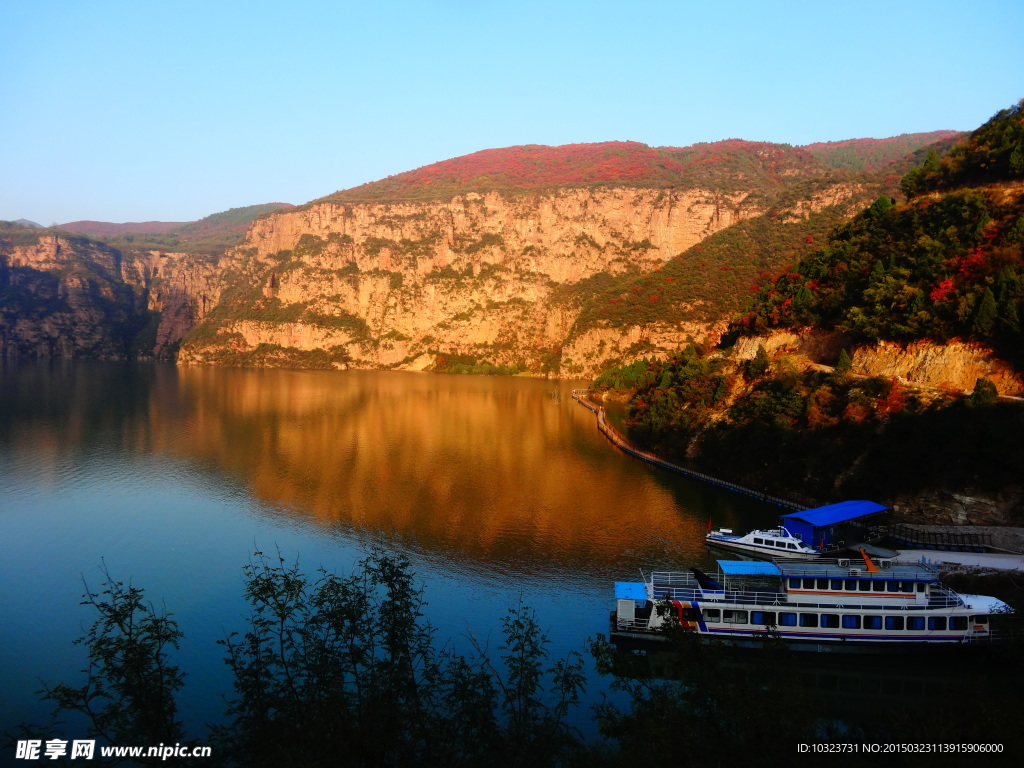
662, 590
632, 625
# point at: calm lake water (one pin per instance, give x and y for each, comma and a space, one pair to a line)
497, 489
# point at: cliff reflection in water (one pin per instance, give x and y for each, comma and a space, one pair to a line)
500, 470
489, 466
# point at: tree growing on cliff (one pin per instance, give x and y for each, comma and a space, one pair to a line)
844, 363
759, 364
984, 395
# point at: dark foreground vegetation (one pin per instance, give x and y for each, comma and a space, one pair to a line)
344, 670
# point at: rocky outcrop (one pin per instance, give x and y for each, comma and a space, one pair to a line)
955, 366
962, 507
181, 289
71, 297
596, 350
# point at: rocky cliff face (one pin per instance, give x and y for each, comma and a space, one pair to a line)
65, 297
180, 289
487, 277
70, 297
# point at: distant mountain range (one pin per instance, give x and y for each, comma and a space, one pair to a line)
233, 221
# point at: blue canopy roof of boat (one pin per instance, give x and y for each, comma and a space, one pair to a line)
630, 590
835, 513
748, 568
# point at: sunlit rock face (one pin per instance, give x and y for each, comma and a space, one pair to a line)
490, 276
955, 366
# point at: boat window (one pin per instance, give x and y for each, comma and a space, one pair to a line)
830, 620
734, 617
758, 541
794, 583
712, 614
979, 619
822, 583
787, 619
766, 618
878, 586
894, 622
851, 621
691, 614
936, 622
837, 583
892, 586
790, 545
808, 583
851, 585
864, 585
907, 586
808, 619
920, 586
915, 623
958, 622
872, 622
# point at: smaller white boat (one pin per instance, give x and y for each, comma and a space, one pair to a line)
769, 542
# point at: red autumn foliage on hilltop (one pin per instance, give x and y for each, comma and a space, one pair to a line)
530, 166
723, 165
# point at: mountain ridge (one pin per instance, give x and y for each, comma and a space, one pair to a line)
531, 167
498, 278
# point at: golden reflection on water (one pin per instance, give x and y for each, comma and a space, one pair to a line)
490, 466
486, 468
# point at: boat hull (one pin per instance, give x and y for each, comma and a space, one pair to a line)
655, 640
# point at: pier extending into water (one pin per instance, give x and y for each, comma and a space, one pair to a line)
620, 442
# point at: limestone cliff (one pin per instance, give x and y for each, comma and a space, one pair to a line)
483, 276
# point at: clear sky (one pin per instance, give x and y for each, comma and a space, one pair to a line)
152, 110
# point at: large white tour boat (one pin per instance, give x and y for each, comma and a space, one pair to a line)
840, 606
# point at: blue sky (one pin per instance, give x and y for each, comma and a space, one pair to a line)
136, 111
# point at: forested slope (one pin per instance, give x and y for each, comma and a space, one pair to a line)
943, 268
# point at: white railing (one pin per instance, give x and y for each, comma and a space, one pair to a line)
631, 625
